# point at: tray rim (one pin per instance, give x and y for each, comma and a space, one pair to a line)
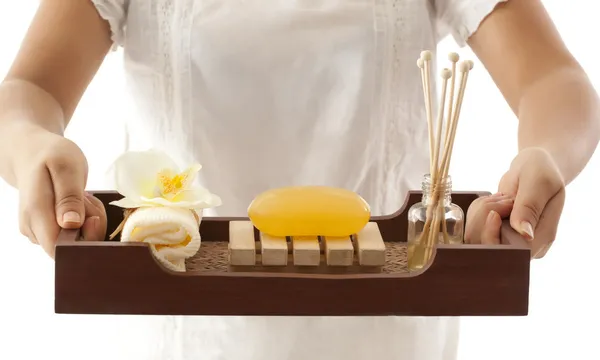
511, 241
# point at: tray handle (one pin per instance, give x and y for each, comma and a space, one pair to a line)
68, 236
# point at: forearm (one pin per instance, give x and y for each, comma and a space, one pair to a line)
561, 113
24, 107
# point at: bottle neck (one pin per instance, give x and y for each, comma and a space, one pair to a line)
442, 190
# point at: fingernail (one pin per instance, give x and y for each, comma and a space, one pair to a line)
71, 217
95, 222
527, 229
491, 216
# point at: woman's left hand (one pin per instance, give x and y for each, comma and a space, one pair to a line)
531, 193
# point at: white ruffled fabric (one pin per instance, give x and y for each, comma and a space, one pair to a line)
115, 13
165, 226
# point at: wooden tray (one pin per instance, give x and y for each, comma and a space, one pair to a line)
111, 277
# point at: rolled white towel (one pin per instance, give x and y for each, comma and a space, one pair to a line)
173, 233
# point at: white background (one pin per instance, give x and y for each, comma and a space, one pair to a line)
564, 316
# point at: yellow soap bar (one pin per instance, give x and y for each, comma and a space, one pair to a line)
309, 211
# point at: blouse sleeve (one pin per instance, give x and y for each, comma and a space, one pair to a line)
461, 18
115, 13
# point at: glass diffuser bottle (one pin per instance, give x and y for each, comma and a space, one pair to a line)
423, 234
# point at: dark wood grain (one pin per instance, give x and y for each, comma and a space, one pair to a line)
116, 278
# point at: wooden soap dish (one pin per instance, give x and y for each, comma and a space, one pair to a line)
239, 272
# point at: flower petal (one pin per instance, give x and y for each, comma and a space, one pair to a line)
159, 201
201, 196
134, 173
127, 203
190, 175
193, 199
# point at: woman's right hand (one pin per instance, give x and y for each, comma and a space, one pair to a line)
51, 174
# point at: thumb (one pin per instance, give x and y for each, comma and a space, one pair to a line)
68, 179
490, 235
530, 201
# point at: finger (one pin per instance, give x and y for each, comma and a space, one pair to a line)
94, 227
101, 213
490, 235
91, 209
548, 225
493, 200
478, 213
96, 203
543, 250
508, 184
92, 230
495, 196
532, 196
39, 205
503, 206
68, 180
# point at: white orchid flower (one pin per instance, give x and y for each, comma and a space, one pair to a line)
151, 178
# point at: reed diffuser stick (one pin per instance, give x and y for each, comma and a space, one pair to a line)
454, 58
425, 61
439, 166
436, 190
465, 67
445, 75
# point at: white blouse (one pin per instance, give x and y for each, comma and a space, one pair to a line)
283, 92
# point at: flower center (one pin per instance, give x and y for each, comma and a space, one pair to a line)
171, 185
